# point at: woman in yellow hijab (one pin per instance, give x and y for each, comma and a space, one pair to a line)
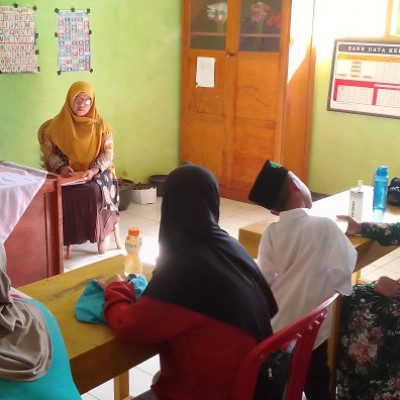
79, 140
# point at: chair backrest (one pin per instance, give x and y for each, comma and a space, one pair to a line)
40, 135
303, 331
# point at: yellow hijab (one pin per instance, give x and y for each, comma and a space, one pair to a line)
79, 138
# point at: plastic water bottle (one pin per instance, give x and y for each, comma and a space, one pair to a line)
133, 243
380, 188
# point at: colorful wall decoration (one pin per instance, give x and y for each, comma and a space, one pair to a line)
17, 39
73, 33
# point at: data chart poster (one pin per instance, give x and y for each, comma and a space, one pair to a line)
365, 78
73, 33
17, 40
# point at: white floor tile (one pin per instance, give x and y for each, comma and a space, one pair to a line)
393, 266
369, 269
234, 222
103, 392
151, 229
256, 214
88, 396
388, 259
81, 256
150, 366
135, 220
139, 381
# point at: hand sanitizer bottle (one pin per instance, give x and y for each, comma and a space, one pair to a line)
356, 201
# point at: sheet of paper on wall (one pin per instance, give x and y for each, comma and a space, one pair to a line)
205, 72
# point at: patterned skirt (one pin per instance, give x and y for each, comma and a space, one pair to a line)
369, 348
90, 210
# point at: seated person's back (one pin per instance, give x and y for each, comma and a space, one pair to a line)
34, 364
207, 304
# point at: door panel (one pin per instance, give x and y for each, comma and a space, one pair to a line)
257, 86
255, 120
205, 99
253, 143
205, 142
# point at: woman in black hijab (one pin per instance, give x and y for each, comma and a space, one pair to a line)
207, 304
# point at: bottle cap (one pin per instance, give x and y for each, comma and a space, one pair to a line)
382, 170
134, 231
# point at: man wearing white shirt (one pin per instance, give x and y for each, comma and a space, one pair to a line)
304, 258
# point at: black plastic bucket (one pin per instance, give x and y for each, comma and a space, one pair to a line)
125, 193
158, 182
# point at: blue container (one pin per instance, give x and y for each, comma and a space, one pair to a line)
381, 181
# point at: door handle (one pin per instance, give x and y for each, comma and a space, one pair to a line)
229, 54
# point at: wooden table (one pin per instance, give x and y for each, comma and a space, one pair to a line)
95, 354
368, 250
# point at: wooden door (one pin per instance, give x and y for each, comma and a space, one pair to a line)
254, 45
254, 111
203, 109
203, 120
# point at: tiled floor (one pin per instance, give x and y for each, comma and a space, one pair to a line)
233, 215
388, 265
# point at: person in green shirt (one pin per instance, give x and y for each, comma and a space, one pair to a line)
386, 234
369, 346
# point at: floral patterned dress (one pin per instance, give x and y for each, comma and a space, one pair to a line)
92, 207
369, 349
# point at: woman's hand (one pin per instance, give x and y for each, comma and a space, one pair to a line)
103, 283
353, 227
387, 287
90, 173
65, 171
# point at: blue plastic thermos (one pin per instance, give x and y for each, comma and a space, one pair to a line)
381, 180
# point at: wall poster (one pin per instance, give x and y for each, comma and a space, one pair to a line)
18, 39
73, 33
365, 78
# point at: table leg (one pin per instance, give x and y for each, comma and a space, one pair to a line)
333, 343
121, 387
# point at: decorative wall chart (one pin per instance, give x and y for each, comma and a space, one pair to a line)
73, 33
17, 39
365, 78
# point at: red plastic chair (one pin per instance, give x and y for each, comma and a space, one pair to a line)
303, 331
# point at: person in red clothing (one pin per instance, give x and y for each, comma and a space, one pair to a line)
207, 304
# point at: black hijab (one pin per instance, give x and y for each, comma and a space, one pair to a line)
200, 266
